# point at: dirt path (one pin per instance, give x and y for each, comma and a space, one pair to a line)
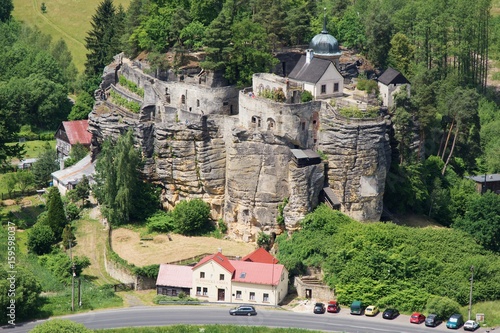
91, 242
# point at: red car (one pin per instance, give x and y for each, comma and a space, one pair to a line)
333, 306
417, 318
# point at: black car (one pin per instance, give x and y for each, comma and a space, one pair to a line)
319, 308
390, 314
243, 310
433, 320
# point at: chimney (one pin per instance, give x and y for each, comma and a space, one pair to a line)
219, 249
309, 55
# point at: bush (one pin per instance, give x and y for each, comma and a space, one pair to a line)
40, 239
442, 306
264, 240
306, 96
191, 217
160, 222
60, 326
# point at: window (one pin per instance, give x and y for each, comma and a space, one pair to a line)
238, 294
323, 88
303, 125
198, 103
183, 99
335, 87
265, 298
221, 277
174, 292
252, 296
198, 291
205, 291
202, 275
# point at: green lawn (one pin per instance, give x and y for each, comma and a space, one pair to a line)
69, 20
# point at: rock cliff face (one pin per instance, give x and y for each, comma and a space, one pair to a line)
359, 158
235, 152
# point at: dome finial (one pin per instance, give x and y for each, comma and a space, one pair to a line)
324, 22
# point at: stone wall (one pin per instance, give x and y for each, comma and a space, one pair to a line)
317, 291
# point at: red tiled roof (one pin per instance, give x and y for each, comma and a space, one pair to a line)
218, 258
257, 273
77, 132
261, 255
174, 276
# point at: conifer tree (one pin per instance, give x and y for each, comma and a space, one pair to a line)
102, 42
6, 8
56, 217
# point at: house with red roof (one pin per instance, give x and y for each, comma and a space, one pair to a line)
70, 133
255, 279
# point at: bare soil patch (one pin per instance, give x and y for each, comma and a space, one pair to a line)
128, 245
416, 221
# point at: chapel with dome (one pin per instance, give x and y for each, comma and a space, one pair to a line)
325, 46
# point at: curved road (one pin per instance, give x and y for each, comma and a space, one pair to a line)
199, 315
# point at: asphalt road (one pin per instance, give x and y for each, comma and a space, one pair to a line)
199, 315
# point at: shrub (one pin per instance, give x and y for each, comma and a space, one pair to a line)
264, 240
306, 96
130, 105
442, 306
160, 222
191, 217
60, 326
40, 239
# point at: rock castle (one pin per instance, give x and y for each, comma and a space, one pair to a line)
256, 155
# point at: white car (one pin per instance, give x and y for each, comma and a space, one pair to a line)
471, 325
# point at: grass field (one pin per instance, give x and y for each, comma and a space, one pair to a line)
69, 20
128, 245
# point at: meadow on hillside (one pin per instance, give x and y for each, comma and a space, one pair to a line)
69, 20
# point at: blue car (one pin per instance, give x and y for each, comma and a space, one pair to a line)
456, 321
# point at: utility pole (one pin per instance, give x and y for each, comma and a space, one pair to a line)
470, 294
72, 279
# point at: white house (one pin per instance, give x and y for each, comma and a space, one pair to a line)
319, 76
390, 83
255, 279
67, 179
216, 278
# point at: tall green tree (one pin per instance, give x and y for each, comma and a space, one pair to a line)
8, 133
102, 41
27, 298
482, 220
6, 8
56, 217
117, 177
44, 166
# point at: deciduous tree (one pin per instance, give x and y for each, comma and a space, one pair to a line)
40, 239
6, 8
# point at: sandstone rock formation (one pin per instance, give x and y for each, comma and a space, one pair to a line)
233, 149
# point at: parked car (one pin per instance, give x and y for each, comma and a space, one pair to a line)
243, 310
357, 308
417, 318
390, 314
319, 308
371, 310
455, 321
471, 325
433, 320
333, 306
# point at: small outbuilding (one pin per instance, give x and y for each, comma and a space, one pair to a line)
305, 157
70, 133
487, 182
390, 83
174, 279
